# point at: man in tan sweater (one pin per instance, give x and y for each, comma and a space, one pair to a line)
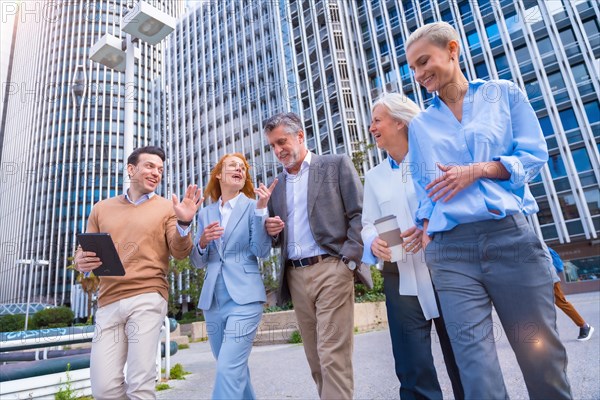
146, 229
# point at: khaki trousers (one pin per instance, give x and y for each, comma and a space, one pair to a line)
127, 331
323, 297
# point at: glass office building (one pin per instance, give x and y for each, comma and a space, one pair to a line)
549, 48
335, 57
63, 138
233, 63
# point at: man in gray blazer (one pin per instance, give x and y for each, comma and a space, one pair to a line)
315, 217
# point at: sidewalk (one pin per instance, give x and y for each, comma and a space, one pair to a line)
281, 371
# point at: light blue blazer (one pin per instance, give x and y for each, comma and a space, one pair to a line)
235, 255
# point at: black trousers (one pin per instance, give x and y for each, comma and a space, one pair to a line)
411, 343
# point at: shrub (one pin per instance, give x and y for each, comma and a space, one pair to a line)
177, 372
295, 337
162, 386
12, 323
57, 317
191, 316
287, 306
363, 295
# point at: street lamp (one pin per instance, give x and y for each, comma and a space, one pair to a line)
145, 23
33, 263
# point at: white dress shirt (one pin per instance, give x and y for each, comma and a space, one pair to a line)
226, 209
301, 242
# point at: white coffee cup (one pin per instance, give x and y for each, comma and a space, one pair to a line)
389, 232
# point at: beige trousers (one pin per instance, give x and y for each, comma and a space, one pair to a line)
323, 297
127, 331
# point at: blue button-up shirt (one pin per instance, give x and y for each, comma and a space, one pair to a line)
498, 124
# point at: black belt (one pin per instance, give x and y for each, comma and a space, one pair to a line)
306, 262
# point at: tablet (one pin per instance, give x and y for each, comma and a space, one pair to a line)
103, 246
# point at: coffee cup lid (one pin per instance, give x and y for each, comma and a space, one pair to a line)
385, 219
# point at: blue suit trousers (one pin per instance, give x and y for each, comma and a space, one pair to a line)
231, 329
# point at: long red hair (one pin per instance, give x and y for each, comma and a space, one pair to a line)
213, 189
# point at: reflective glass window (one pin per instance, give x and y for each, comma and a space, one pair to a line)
592, 197
546, 125
473, 39
592, 109
481, 70
557, 166
581, 159
545, 46
568, 205
568, 119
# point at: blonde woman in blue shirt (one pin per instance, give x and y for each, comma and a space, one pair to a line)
409, 295
474, 150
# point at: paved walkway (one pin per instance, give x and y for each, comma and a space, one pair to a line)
281, 371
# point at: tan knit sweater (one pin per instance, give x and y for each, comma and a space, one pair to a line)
144, 236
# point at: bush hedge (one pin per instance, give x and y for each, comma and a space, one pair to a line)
57, 317
12, 323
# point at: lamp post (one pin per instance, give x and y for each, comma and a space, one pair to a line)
33, 263
147, 24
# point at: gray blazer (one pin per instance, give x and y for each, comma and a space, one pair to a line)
334, 204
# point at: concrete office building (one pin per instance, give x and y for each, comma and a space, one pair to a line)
63, 138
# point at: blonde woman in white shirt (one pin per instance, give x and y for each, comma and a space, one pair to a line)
410, 298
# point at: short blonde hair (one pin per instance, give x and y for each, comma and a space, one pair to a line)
438, 33
400, 107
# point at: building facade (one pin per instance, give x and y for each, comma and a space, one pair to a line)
336, 57
63, 138
233, 63
549, 48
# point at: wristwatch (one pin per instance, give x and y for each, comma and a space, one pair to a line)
351, 264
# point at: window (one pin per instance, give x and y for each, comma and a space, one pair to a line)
567, 37
557, 85
405, 73
568, 205
473, 40
592, 197
447, 16
502, 66
493, 34
581, 159
592, 109
557, 167
545, 46
481, 70
379, 23
532, 88
513, 24
591, 27
580, 73
546, 125
568, 119
384, 49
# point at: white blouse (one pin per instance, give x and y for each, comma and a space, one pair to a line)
391, 192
